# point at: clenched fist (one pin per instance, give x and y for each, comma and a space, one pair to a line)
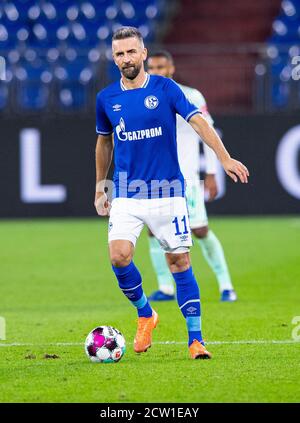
102, 204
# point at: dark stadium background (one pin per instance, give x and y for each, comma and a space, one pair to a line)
243, 56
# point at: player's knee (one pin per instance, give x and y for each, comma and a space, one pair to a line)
120, 257
200, 232
178, 262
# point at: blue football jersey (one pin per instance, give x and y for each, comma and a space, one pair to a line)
143, 121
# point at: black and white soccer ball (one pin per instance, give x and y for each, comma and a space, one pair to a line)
105, 344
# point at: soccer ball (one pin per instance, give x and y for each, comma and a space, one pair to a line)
105, 344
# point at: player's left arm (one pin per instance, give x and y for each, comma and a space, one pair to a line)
235, 169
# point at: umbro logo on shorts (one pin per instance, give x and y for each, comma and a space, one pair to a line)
184, 238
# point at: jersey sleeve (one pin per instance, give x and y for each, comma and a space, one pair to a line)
103, 125
179, 101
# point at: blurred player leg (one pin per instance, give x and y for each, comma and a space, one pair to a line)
213, 252
210, 245
164, 277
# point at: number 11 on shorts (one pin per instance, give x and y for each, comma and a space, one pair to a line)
183, 220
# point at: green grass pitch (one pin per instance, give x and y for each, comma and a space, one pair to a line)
57, 284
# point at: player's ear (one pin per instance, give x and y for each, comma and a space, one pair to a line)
172, 69
145, 54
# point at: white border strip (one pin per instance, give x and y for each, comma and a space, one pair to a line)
194, 112
144, 85
238, 342
188, 302
130, 289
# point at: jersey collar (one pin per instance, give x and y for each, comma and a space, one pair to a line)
145, 83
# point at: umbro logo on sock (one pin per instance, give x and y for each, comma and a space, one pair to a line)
191, 310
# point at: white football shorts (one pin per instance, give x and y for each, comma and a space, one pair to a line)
167, 218
196, 205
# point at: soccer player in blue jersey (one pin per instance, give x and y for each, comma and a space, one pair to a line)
136, 117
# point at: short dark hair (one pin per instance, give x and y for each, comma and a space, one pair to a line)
162, 53
127, 32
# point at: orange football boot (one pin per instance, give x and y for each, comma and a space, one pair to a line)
197, 350
143, 337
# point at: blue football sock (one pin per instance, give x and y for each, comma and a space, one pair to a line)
188, 298
130, 282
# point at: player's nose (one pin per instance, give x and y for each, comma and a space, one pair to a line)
126, 59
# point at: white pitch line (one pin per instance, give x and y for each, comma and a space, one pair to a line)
240, 342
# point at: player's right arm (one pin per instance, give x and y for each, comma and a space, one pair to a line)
104, 152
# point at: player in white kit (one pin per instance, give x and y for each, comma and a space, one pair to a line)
161, 63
